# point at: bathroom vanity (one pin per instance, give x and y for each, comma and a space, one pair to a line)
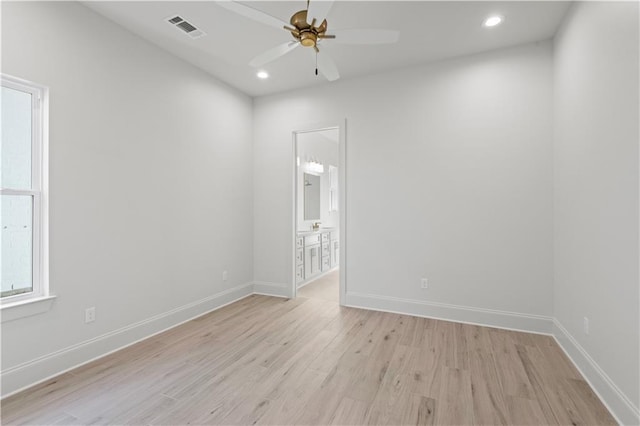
317, 252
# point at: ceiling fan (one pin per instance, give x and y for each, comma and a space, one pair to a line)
309, 28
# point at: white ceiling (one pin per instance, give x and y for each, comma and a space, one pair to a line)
429, 31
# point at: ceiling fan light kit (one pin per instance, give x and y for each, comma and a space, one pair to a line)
308, 27
307, 33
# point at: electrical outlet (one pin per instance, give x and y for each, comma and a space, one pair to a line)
225, 275
424, 283
586, 325
89, 315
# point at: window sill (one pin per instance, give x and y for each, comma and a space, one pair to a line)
25, 308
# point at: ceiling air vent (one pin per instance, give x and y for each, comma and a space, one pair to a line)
185, 26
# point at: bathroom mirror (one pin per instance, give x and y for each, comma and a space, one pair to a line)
311, 197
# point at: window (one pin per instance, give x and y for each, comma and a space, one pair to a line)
22, 178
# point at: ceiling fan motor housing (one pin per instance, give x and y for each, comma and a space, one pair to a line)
307, 34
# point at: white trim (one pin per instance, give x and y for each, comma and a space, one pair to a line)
530, 323
39, 184
621, 407
28, 192
342, 206
265, 288
25, 308
293, 290
32, 372
44, 195
341, 126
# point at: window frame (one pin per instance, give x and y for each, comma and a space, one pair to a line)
37, 192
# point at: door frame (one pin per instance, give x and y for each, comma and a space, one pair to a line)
341, 125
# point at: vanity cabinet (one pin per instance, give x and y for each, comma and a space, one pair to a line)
300, 263
299, 274
326, 253
311, 239
326, 263
334, 248
312, 255
315, 253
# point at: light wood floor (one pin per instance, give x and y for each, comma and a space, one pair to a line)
308, 361
327, 287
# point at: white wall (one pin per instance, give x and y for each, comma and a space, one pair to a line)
151, 186
448, 177
596, 197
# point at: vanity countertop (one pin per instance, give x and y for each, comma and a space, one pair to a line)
303, 233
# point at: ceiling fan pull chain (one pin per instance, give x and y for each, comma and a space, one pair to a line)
316, 63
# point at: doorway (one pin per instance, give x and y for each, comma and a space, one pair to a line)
319, 212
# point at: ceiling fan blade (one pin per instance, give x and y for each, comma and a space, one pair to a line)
327, 67
318, 9
365, 36
251, 13
274, 53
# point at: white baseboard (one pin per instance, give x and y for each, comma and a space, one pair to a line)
612, 397
272, 289
30, 373
469, 315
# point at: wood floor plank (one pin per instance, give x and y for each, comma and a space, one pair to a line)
353, 338
350, 412
587, 403
489, 405
289, 404
392, 396
44, 395
524, 411
367, 379
542, 379
325, 401
308, 361
426, 370
131, 411
276, 381
511, 372
421, 411
455, 401
477, 337
50, 417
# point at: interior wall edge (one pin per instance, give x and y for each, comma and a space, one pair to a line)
529, 323
33, 372
612, 397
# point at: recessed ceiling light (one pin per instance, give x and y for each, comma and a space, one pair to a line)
493, 20
262, 74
